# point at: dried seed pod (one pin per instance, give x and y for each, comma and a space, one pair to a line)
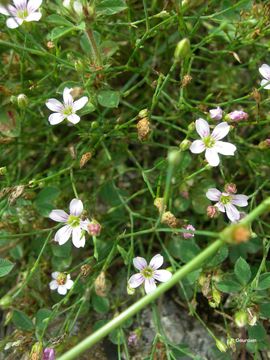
186, 80
143, 128
85, 158
85, 270
15, 193
169, 219
100, 285
159, 203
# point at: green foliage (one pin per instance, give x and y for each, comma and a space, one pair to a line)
5, 267
22, 321
242, 271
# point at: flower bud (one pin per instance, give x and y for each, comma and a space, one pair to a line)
143, 113
231, 343
3, 170
133, 339
188, 235
191, 127
185, 145
216, 298
48, 354
169, 219
94, 228
241, 318
130, 290
230, 188
5, 301
237, 115
216, 114
159, 203
22, 101
212, 211
36, 351
221, 346
85, 158
182, 49
143, 129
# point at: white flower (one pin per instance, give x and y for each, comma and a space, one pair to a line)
226, 202
74, 5
61, 282
265, 72
67, 110
148, 273
216, 114
210, 143
20, 11
75, 226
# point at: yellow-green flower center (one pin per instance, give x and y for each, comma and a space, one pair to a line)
68, 110
147, 272
22, 14
61, 279
225, 199
73, 221
209, 141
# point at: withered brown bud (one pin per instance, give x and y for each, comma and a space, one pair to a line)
212, 211
76, 91
85, 270
15, 193
230, 188
72, 151
241, 233
85, 158
169, 219
186, 80
50, 45
256, 95
100, 285
159, 204
143, 128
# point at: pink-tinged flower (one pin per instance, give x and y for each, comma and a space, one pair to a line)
148, 273
212, 211
61, 282
67, 110
265, 72
48, 354
210, 143
227, 202
20, 11
216, 114
238, 115
74, 225
188, 235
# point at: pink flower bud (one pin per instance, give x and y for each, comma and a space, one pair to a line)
94, 228
212, 211
216, 114
238, 115
48, 354
188, 235
133, 339
230, 188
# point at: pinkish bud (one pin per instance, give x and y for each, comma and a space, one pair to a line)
188, 235
133, 339
94, 228
212, 211
216, 114
48, 354
230, 188
238, 115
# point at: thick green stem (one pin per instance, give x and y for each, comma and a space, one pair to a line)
142, 303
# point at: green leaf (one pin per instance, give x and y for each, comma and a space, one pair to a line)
109, 98
22, 321
58, 20
110, 7
183, 249
228, 286
219, 257
59, 32
62, 251
242, 271
257, 332
264, 281
116, 337
265, 310
41, 320
100, 304
5, 267
44, 200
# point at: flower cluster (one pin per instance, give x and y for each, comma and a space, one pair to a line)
21, 11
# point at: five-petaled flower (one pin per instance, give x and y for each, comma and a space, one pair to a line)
148, 273
20, 11
61, 282
210, 143
74, 225
227, 202
67, 110
265, 72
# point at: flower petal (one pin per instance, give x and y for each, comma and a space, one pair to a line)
76, 207
197, 147
20, 4
4, 10
62, 290
68, 99
225, 148
73, 118
54, 105
63, 234
78, 239
35, 16
265, 71
213, 194
56, 118
264, 82
33, 5
202, 127
79, 104
58, 215
149, 285
135, 280
232, 213
212, 157
55, 274
221, 130
220, 206
14, 22
139, 263
162, 275
240, 200
156, 261
53, 285
69, 283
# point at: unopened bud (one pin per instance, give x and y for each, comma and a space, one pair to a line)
241, 318
188, 235
5, 301
216, 114
216, 298
191, 127
130, 290
231, 343
185, 145
221, 346
22, 101
182, 49
94, 228
3, 170
230, 188
212, 211
85, 158
100, 285
236, 116
169, 219
143, 113
48, 354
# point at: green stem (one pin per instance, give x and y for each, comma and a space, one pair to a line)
142, 303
